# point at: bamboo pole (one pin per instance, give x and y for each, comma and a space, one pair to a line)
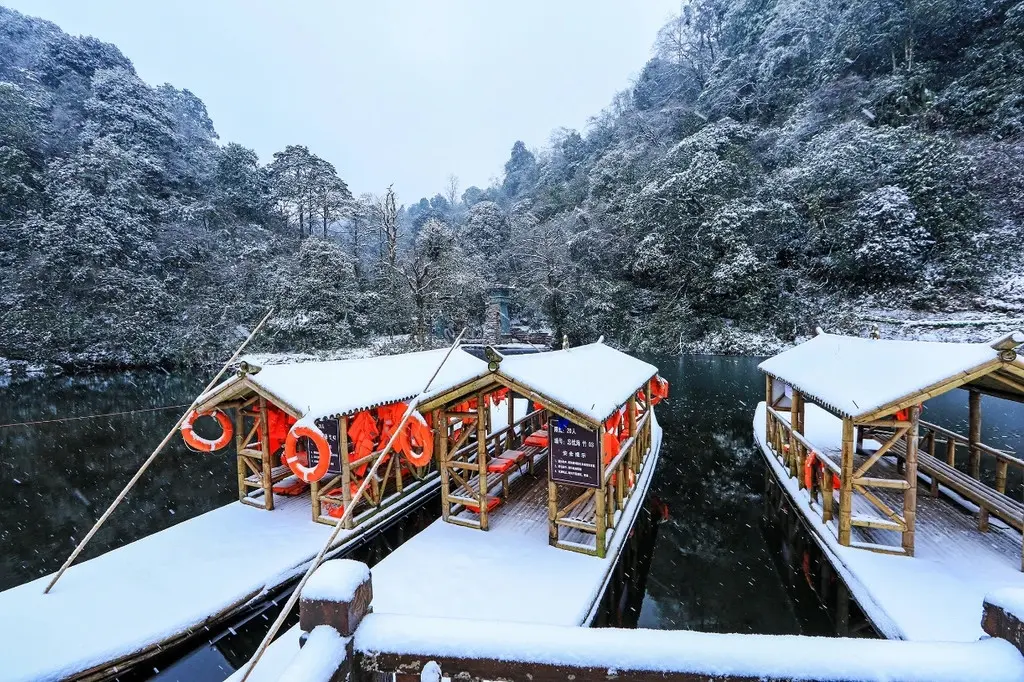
974, 434
152, 457
846, 484
339, 524
910, 494
482, 412
268, 478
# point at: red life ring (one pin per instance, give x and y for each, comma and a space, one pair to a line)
197, 442
420, 436
809, 463
291, 457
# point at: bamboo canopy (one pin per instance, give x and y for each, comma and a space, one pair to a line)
865, 379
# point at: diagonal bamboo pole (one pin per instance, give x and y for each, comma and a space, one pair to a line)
153, 456
339, 524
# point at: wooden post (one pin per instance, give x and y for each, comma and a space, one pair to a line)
910, 494
552, 512
638, 451
796, 456
769, 435
239, 444
974, 452
481, 454
268, 482
510, 434
974, 434
951, 451
827, 498
600, 497
846, 484
441, 448
931, 452
1001, 466
346, 470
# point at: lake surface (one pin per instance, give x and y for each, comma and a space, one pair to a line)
712, 567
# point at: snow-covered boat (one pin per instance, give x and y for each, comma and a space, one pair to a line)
841, 431
113, 611
533, 520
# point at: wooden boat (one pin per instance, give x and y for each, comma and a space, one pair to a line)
114, 611
533, 519
842, 432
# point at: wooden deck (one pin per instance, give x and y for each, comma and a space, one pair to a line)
526, 511
430, 573
935, 595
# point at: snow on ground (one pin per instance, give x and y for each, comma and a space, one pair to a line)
336, 580
924, 597
701, 653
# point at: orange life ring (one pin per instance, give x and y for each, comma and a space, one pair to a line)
197, 442
291, 456
420, 436
809, 463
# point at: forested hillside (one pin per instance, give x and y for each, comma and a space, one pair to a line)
780, 164
777, 164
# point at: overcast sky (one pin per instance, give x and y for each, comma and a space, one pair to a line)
402, 91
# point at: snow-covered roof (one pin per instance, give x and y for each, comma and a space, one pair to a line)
856, 377
592, 380
319, 389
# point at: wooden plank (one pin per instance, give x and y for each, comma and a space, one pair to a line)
894, 483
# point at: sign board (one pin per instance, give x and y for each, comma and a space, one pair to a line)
331, 431
575, 456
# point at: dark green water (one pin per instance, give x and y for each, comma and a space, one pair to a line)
712, 568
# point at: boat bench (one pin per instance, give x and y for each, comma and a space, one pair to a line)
999, 505
989, 499
277, 474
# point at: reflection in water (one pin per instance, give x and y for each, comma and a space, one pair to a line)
711, 568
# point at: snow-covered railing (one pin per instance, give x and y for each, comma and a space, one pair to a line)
472, 650
348, 642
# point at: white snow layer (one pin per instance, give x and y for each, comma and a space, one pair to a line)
856, 376
336, 580
142, 593
148, 590
319, 658
933, 596
593, 380
321, 389
1010, 599
698, 653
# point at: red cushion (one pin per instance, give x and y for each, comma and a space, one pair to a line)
500, 465
537, 438
492, 502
